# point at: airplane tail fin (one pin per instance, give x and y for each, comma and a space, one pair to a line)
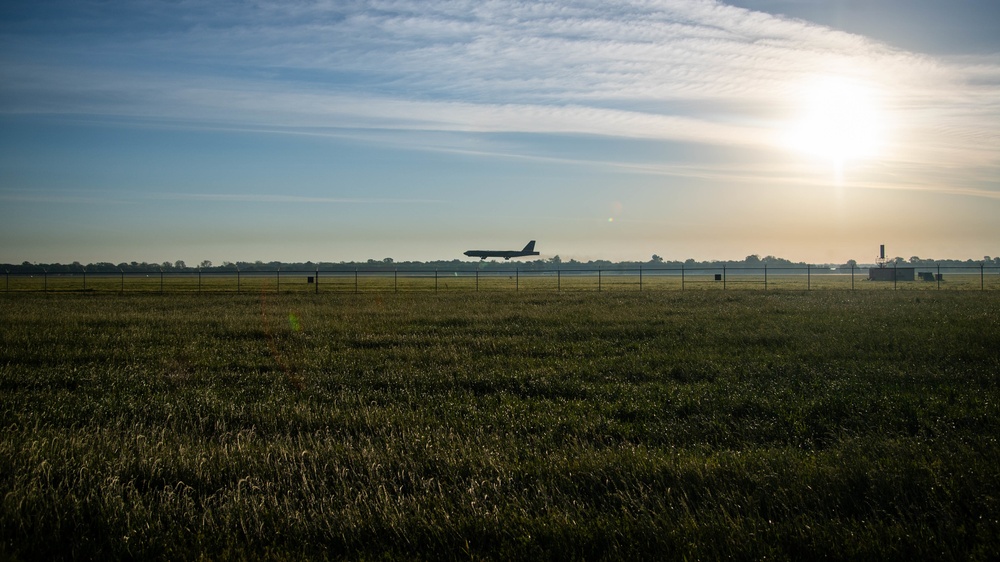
530, 247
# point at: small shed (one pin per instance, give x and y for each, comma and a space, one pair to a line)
891, 274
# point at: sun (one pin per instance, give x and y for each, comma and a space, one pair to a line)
837, 120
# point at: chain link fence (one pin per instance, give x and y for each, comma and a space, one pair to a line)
797, 278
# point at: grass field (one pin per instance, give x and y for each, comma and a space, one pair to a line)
499, 425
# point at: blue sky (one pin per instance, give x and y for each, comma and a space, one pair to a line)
340, 131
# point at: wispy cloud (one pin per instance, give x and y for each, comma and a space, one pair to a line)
680, 70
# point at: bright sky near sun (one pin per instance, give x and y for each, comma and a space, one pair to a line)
417, 129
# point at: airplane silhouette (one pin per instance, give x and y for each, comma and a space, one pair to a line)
528, 250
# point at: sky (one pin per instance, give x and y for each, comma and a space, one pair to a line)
349, 130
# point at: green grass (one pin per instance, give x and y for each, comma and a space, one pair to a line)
501, 425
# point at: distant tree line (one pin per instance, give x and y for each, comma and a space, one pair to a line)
388, 264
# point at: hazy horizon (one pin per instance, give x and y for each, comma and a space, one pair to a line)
315, 131
888, 261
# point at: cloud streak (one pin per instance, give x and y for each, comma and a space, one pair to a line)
290, 199
695, 71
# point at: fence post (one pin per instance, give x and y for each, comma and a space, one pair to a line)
640, 278
765, 276
477, 280
682, 277
723, 277
558, 280
7, 287
598, 279
852, 276
435, 280
123, 279
317, 281
355, 280
84, 278
894, 280
161, 280
982, 276
277, 276
808, 277
939, 276
45, 281
199, 278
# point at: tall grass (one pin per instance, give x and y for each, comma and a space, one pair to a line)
689, 425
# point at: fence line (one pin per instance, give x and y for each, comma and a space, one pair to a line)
356, 280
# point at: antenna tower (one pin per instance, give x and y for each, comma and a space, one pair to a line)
881, 256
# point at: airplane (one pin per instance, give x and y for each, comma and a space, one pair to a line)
528, 250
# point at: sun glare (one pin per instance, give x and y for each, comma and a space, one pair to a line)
838, 120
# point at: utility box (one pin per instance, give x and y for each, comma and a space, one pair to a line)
718, 277
310, 279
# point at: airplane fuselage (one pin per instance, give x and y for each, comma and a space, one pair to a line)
505, 254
